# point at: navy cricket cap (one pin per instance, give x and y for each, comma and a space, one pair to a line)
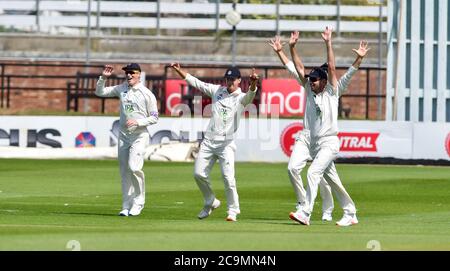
132, 67
233, 72
324, 67
317, 73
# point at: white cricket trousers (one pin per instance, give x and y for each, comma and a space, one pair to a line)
297, 161
210, 151
131, 160
324, 151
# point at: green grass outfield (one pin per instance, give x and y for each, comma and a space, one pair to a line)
46, 203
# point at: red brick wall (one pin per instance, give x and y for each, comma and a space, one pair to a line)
55, 100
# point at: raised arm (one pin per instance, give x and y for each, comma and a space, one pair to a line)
277, 46
206, 88
360, 53
250, 95
332, 79
300, 69
344, 81
176, 67
103, 91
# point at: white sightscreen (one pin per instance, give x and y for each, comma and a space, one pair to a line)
419, 45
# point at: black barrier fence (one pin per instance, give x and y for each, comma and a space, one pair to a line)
78, 81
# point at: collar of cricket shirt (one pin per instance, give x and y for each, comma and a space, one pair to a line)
236, 92
137, 86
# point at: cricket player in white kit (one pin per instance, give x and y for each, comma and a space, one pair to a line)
300, 155
138, 109
228, 103
319, 137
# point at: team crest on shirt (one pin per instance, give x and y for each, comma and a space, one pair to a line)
318, 111
220, 96
128, 108
223, 112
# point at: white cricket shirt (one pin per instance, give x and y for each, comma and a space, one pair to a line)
321, 113
136, 102
226, 108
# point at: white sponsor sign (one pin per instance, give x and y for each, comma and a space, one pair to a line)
431, 141
53, 131
267, 140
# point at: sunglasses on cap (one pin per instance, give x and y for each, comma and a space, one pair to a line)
131, 72
314, 79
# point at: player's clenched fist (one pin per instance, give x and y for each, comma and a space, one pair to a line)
253, 79
254, 76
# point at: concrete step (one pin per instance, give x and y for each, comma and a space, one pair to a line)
167, 49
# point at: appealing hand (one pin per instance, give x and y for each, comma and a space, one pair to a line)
362, 51
107, 71
294, 38
326, 35
276, 44
175, 66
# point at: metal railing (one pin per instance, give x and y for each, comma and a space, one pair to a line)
8, 78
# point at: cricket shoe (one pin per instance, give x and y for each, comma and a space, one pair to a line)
124, 212
231, 218
136, 209
207, 210
327, 217
300, 217
347, 220
299, 207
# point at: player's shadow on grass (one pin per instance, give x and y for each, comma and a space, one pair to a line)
278, 221
84, 213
